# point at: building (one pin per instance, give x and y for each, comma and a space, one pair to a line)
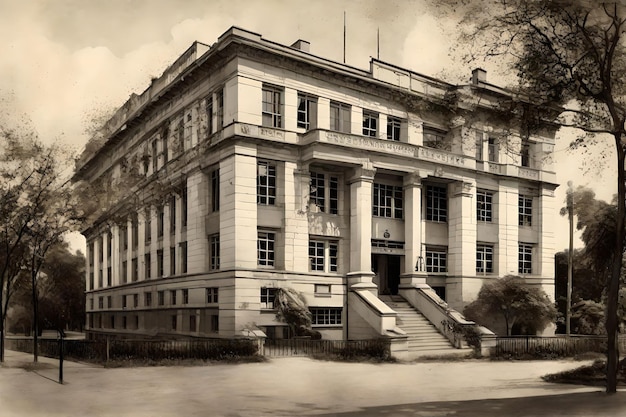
257, 166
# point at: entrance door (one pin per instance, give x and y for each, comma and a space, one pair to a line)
387, 270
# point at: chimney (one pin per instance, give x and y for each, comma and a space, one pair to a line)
301, 45
479, 76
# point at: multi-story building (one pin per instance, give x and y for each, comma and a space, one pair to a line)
257, 166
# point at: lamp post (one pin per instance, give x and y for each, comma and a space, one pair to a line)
570, 258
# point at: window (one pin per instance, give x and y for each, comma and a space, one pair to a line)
209, 114
124, 272
109, 301
135, 228
441, 292
436, 203
192, 323
154, 155
387, 201
172, 260
147, 261
91, 303
492, 150
484, 206
435, 138
326, 316
340, 117
135, 272
266, 183
525, 153
161, 297
180, 132
160, 263
148, 227
307, 111
124, 322
124, 304
124, 237
100, 303
370, 124
436, 259
160, 221
109, 244
185, 296
100, 279
113, 322
484, 259
322, 290
183, 208
265, 249
525, 259
211, 295
172, 214
135, 300
215, 323
323, 255
173, 297
147, 299
525, 211
164, 146
215, 190
272, 106
393, 128
268, 296
479, 146
173, 322
109, 276
214, 260
183, 257
324, 189
219, 114
91, 280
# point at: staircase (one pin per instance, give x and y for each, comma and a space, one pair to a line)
423, 337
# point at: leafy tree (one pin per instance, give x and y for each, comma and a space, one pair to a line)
293, 310
511, 300
568, 58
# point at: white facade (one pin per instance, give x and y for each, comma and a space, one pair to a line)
262, 166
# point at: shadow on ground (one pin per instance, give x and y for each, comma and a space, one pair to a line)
589, 404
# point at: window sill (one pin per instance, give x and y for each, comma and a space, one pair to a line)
323, 295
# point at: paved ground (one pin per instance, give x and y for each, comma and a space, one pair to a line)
299, 386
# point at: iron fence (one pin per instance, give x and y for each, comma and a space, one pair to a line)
560, 346
376, 348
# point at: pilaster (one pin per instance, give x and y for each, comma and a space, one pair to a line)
508, 228
361, 225
296, 185
412, 230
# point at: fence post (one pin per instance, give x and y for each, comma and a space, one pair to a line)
61, 334
107, 346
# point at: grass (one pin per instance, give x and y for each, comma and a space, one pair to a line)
135, 363
594, 375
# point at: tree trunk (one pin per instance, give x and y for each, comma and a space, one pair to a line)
612, 359
35, 318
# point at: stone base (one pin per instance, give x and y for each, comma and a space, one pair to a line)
361, 281
413, 280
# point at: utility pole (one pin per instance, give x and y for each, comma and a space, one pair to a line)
570, 257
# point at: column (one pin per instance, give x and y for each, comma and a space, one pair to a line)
96, 262
361, 226
105, 260
463, 286
115, 255
546, 247
195, 232
323, 113
508, 228
382, 126
412, 231
295, 217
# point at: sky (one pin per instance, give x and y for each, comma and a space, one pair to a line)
66, 62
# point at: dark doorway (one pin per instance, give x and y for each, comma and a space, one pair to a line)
387, 270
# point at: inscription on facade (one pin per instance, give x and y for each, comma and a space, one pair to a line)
528, 173
442, 157
378, 144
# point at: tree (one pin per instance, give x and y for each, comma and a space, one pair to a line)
292, 309
512, 301
568, 57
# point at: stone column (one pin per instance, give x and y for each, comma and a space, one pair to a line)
412, 231
295, 217
508, 230
546, 247
96, 262
361, 227
105, 259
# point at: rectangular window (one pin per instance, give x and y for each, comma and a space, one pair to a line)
147, 299
215, 323
147, 263
266, 183
209, 114
323, 255
215, 190
436, 203
172, 261
164, 146
109, 276
185, 296
219, 114
173, 297
100, 278
124, 237
268, 296
192, 323
100, 303
124, 322
172, 205
109, 244
323, 189
370, 124
160, 263
184, 204
91, 303
160, 221
109, 301
436, 260
525, 211
135, 228
525, 259
322, 316
340, 117
394, 126
135, 271
307, 111
484, 206
135, 300
211, 295
435, 138
272, 106
148, 227
484, 259
525, 153
492, 149
124, 272
265, 248
387, 201
479, 146
154, 155
161, 297
174, 318
183, 257
124, 303
214, 244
